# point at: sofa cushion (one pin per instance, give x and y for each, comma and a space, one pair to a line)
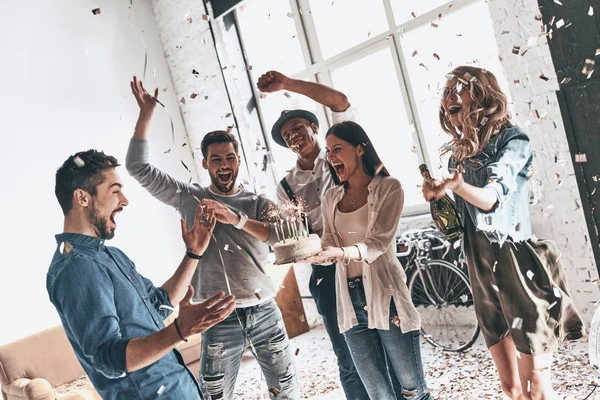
47, 354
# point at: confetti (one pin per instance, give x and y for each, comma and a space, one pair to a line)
396, 321
591, 12
290, 15
297, 352
182, 100
551, 305
274, 391
495, 288
530, 274
263, 96
414, 53
436, 56
580, 158
249, 68
434, 25
556, 292
189, 20
257, 294
366, 308
558, 2
565, 81
302, 318
560, 23
79, 162
464, 298
319, 281
226, 248
205, 17
185, 166
588, 67
65, 248
96, 11
517, 323
286, 94
544, 78
379, 168
193, 95
195, 72
516, 49
161, 390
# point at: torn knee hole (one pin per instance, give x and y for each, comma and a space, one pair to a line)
278, 343
214, 349
214, 384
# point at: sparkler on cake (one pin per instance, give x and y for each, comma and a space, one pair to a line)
295, 242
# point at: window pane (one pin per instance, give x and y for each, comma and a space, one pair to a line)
270, 37
404, 9
345, 23
372, 86
271, 106
455, 43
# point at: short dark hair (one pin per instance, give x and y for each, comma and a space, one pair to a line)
217, 137
354, 134
81, 171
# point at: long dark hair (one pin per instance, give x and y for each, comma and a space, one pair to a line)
354, 134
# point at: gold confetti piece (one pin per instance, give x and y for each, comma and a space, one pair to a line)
396, 321
560, 23
414, 53
588, 67
524, 52
193, 95
379, 168
544, 78
517, 81
286, 94
580, 158
319, 281
182, 100
79, 162
495, 288
530, 274
227, 115
565, 81
551, 305
366, 308
249, 68
436, 56
297, 352
205, 17
302, 318
96, 11
413, 14
65, 248
556, 292
257, 294
263, 96
161, 390
516, 49
434, 25
517, 323
189, 20
388, 37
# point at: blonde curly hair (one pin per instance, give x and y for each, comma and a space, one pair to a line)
483, 119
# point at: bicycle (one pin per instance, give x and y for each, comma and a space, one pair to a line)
440, 290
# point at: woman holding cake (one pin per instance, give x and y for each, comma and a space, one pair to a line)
375, 311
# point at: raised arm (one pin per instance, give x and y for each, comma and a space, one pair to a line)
158, 183
274, 81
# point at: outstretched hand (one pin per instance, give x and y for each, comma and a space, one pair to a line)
196, 240
435, 190
198, 318
145, 101
272, 81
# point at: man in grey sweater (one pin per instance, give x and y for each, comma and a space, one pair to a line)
233, 263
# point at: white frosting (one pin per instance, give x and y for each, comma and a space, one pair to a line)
297, 249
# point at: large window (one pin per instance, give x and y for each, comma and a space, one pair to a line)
390, 58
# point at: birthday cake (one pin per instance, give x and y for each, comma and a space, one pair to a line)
292, 250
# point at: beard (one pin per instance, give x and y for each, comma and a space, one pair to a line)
225, 188
100, 223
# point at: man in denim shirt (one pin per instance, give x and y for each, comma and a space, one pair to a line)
111, 314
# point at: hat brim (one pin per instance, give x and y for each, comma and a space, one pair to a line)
276, 129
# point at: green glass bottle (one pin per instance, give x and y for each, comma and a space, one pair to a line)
443, 211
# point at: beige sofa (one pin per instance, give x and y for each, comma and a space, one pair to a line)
44, 367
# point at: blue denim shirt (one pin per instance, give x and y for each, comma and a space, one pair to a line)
503, 165
103, 302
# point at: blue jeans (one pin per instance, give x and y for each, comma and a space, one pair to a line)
379, 355
322, 288
224, 344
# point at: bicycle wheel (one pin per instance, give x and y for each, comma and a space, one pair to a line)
445, 304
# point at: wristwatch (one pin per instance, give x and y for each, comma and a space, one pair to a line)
243, 220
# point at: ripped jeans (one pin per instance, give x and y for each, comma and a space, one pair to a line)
369, 348
224, 344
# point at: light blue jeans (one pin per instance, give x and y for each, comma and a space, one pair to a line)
224, 344
369, 348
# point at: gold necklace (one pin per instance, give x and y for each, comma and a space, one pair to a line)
354, 199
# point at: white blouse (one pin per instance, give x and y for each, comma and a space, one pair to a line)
383, 276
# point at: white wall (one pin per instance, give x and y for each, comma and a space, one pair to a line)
65, 76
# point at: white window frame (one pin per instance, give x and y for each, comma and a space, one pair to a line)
320, 69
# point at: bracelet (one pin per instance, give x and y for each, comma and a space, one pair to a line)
346, 257
192, 255
178, 331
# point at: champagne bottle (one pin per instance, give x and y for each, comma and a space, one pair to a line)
443, 211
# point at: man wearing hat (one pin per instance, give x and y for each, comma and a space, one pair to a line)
309, 180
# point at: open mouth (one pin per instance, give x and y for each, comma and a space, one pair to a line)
113, 215
225, 176
454, 109
339, 168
